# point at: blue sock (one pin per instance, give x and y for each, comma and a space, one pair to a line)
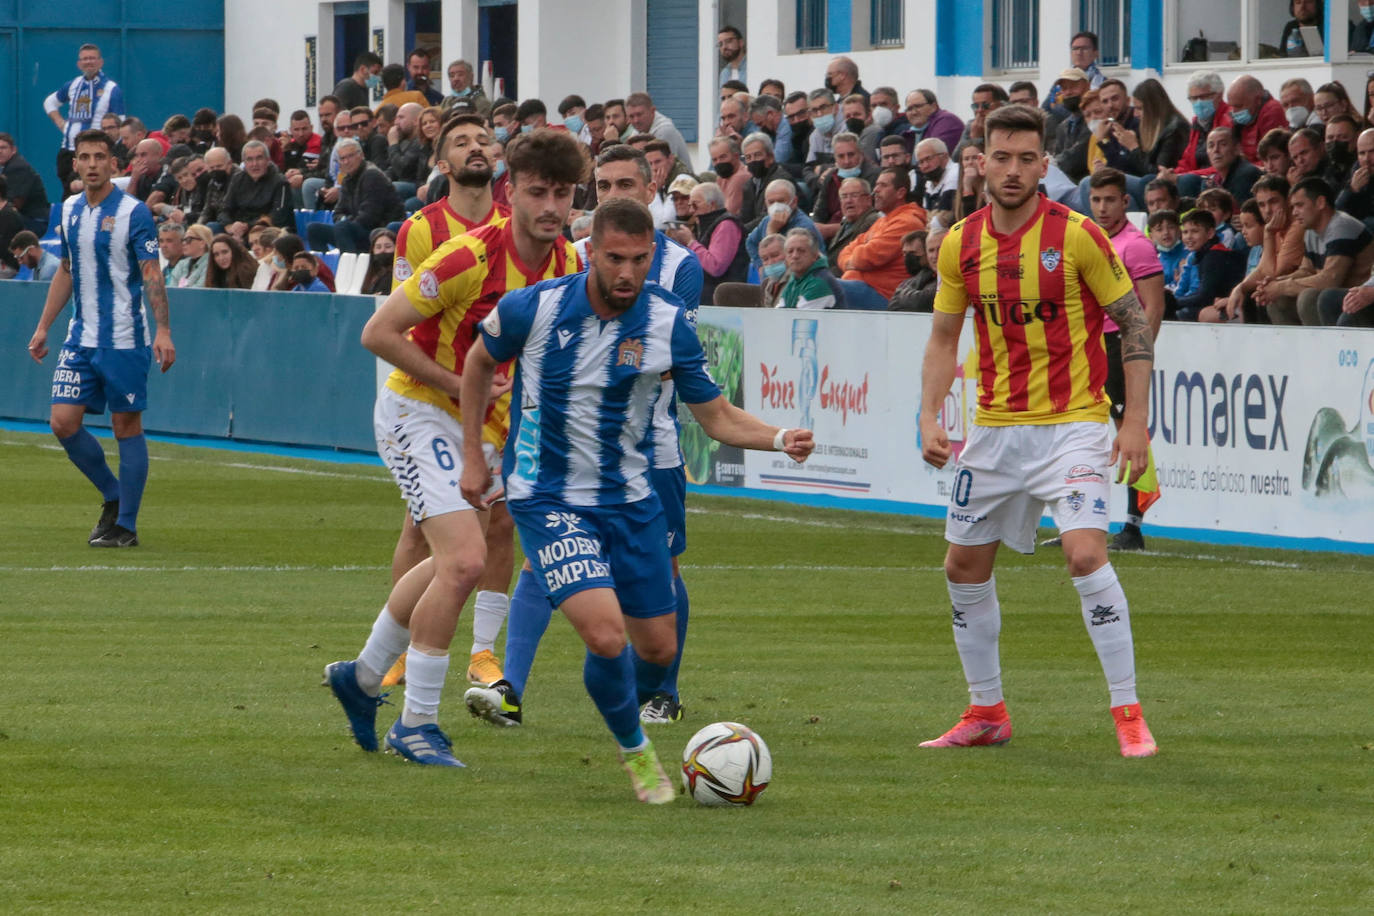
649, 677
133, 474
610, 683
529, 616
670, 679
89, 458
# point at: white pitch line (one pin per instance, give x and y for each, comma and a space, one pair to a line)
255, 569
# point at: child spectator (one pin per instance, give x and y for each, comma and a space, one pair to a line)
1222, 206
1210, 271
1163, 227
1252, 230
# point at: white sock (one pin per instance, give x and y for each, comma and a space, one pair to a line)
385, 644
977, 623
489, 611
1109, 624
424, 684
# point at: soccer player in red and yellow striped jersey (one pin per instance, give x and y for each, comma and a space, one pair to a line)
465, 146
424, 329
1041, 280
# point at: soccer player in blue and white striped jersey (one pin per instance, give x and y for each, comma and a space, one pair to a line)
622, 172
88, 98
110, 262
592, 352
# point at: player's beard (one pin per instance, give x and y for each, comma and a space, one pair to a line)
619, 302
473, 178
1009, 201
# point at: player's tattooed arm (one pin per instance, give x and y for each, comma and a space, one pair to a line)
1136, 340
156, 293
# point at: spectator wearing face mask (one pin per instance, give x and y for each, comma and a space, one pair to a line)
355, 89
304, 274
783, 215
1254, 111
765, 113
1168, 241
920, 252
731, 174
764, 170
377, 280
939, 175
1299, 106
873, 263
849, 163
1341, 135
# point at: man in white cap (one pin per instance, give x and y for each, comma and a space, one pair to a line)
1066, 123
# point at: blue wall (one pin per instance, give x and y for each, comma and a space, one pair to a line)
168, 57
270, 367
959, 38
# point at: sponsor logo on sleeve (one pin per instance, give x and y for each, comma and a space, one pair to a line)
150, 246
492, 323
401, 268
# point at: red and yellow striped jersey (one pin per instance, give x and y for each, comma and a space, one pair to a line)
455, 288
1037, 298
429, 228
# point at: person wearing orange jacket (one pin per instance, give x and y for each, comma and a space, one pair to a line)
873, 263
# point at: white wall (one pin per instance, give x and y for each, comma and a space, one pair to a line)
264, 53
593, 48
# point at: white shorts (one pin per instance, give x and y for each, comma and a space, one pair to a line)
422, 445
1006, 476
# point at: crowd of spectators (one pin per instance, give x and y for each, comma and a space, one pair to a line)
1258, 200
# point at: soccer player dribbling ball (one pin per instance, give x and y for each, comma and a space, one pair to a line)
591, 354
1040, 279
110, 262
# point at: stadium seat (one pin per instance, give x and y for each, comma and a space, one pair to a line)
263, 279
753, 275
331, 259
355, 282
343, 274
1137, 218
54, 216
306, 217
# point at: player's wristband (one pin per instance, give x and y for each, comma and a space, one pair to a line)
777, 440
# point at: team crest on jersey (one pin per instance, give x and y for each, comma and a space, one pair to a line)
107, 224
1050, 258
631, 353
429, 285
402, 269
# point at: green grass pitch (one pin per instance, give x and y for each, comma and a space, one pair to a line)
165, 748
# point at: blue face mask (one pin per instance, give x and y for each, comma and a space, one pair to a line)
1242, 116
374, 81
526, 128
1367, 13
823, 124
573, 123
499, 169
464, 92
502, 134
775, 270
848, 173
1203, 109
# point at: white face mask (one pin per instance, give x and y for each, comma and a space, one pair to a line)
882, 115
1297, 116
1094, 125
779, 211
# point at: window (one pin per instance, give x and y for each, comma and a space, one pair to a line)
1015, 34
1110, 21
885, 23
811, 16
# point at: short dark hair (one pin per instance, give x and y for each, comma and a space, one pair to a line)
623, 215
1023, 86
300, 114
569, 103
204, 117
1200, 216
1162, 184
453, 123
658, 146
1113, 82
1016, 119
1275, 183
1091, 36
265, 114
94, 136
529, 108
268, 103
1343, 119
731, 30
772, 82
641, 98
366, 59
1161, 216
1220, 197
332, 99
23, 240
181, 122
386, 112
393, 75
1275, 137
554, 155
1108, 176
595, 112
900, 174
735, 85
1313, 186
1311, 135
794, 96
1251, 206
362, 111
622, 152
304, 255
614, 103
997, 91
916, 235
891, 140
418, 52
6, 138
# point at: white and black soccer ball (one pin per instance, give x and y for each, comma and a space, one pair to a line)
726, 763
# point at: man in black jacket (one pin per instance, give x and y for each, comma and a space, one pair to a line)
255, 191
367, 200
763, 168
27, 194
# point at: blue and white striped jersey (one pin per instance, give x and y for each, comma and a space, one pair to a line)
674, 267
585, 389
105, 246
87, 102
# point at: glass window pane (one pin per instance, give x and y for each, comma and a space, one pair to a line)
1208, 31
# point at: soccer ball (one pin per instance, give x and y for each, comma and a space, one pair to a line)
726, 763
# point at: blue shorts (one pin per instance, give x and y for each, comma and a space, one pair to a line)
576, 548
90, 376
671, 486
